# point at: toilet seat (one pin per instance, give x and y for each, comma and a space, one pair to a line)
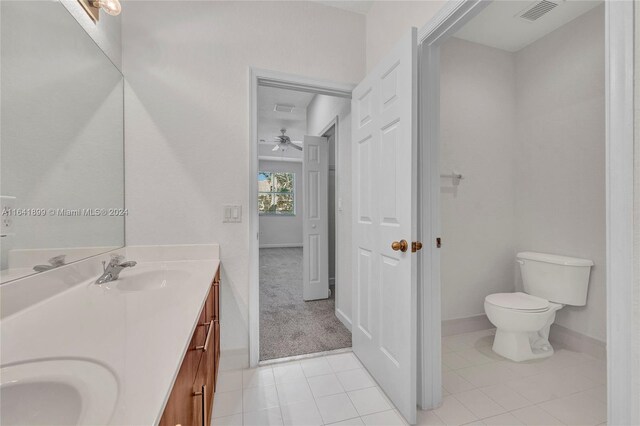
518, 302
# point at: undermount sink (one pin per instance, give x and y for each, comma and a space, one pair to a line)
57, 392
132, 280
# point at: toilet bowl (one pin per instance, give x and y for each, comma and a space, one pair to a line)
523, 319
522, 325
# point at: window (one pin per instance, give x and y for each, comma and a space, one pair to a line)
276, 195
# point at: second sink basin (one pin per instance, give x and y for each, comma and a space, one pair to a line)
57, 392
142, 280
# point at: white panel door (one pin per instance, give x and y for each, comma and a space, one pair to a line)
384, 153
315, 220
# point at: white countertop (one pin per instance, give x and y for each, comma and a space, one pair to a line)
141, 336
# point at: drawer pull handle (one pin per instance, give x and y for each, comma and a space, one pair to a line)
206, 341
203, 396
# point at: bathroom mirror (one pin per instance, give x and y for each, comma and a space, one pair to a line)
61, 141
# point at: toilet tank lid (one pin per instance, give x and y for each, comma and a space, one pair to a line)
554, 258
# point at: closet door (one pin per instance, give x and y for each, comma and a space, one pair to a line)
315, 220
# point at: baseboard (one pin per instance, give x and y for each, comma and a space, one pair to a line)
465, 325
559, 335
234, 359
578, 342
343, 319
284, 245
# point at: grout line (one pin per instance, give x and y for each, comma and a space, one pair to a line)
278, 396
315, 402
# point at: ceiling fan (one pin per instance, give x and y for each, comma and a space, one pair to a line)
283, 142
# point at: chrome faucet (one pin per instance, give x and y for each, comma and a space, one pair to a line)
54, 262
112, 270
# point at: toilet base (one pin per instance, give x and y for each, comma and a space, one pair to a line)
517, 346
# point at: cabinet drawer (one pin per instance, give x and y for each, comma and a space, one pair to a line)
212, 304
178, 409
194, 353
203, 385
216, 354
216, 301
209, 305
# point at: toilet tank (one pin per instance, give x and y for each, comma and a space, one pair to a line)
559, 279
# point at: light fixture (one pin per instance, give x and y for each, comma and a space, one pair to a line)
92, 7
112, 7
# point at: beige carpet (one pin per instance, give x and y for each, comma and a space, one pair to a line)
289, 325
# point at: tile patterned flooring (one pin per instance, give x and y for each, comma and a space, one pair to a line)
327, 390
479, 388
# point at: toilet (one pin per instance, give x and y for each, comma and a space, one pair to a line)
523, 320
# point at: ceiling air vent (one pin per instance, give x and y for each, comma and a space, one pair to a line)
284, 108
538, 10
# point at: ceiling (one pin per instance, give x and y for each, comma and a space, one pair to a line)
270, 122
362, 7
499, 26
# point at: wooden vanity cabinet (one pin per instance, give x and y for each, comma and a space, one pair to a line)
191, 400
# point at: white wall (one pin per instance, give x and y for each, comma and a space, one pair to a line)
388, 21
478, 132
106, 32
283, 231
187, 120
320, 112
560, 157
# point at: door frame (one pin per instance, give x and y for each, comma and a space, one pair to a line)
335, 122
267, 78
450, 18
623, 397
623, 375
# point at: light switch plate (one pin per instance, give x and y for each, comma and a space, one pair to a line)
232, 214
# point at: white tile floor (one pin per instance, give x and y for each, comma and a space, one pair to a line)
479, 388
328, 390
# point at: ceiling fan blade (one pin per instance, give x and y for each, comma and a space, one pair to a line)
275, 148
299, 148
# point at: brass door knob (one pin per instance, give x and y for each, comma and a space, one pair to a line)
416, 246
401, 245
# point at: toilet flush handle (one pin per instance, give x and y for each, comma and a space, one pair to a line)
520, 261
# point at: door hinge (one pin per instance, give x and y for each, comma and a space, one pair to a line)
438, 242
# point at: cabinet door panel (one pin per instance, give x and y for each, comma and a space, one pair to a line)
193, 354
216, 301
209, 304
179, 406
209, 370
216, 353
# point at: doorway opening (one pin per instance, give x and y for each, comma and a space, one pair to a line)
522, 197
302, 300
